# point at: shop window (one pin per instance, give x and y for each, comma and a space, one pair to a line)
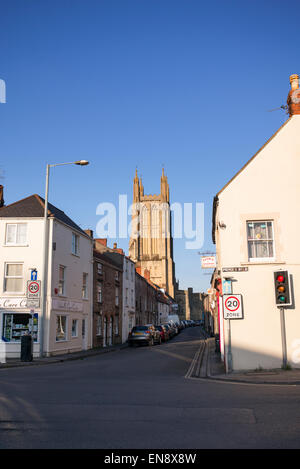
17, 325
61, 328
74, 327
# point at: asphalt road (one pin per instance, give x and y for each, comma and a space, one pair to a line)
140, 398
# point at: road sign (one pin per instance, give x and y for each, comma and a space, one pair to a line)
233, 307
33, 289
33, 275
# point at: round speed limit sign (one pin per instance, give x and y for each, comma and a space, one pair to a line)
232, 305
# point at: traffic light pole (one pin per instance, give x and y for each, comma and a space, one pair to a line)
283, 338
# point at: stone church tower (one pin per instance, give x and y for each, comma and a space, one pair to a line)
151, 242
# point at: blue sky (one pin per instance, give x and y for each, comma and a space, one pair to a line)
124, 83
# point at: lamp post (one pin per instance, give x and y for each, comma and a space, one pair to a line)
45, 251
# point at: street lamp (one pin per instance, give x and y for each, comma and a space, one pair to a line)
45, 250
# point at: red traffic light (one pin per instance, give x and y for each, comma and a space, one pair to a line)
280, 278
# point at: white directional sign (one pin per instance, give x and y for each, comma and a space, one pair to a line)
233, 307
33, 289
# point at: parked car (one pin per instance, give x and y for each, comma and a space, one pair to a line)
172, 330
144, 335
164, 333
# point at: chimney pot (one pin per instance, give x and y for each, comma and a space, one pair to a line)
1, 196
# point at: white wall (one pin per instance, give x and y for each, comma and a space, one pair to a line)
268, 188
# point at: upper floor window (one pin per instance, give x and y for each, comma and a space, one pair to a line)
16, 234
84, 286
13, 278
75, 244
260, 238
62, 280
99, 292
99, 268
117, 296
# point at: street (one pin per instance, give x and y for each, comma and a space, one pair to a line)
141, 398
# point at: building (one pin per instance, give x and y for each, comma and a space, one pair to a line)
124, 291
107, 298
151, 242
190, 304
67, 322
146, 304
256, 232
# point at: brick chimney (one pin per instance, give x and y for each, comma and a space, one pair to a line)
1, 196
147, 274
293, 99
89, 233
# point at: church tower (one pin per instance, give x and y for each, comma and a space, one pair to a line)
151, 242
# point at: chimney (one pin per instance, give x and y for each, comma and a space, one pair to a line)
293, 100
102, 241
115, 246
1, 196
89, 233
147, 274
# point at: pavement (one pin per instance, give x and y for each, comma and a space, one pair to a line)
206, 364
213, 369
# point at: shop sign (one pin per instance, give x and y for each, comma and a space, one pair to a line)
72, 306
13, 303
208, 262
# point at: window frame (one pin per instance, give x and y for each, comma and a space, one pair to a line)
12, 277
74, 336
267, 240
62, 282
15, 243
75, 244
85, 289
65, 339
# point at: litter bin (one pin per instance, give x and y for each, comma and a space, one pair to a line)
26, 348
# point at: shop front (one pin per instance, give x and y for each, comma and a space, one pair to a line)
16, 320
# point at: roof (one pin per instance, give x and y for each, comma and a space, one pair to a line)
33, 207
113, 258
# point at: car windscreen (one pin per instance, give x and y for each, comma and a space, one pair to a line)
140, 328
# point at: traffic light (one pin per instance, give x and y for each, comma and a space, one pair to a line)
282, 288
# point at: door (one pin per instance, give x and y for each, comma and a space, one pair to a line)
84, 335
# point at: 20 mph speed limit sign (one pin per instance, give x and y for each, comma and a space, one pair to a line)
232, 306
33, 289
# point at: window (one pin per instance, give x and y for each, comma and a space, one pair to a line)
16, 325
16, 234
117, 296
116, 325
99, 292
99, 268
260, 238
75, 244
61, 280
61, 328
74, 327
117, 275
84, 286
126, 297
13, 278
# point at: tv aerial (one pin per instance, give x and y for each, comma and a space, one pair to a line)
283, 107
